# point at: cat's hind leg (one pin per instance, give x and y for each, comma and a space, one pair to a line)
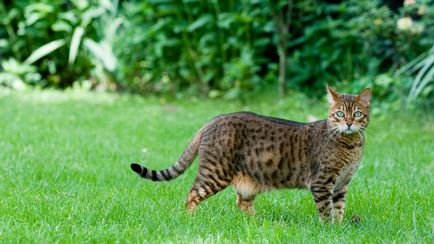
201, 190
209, 181
245, 203
246, 193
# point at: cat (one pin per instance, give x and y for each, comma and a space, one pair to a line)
256, 153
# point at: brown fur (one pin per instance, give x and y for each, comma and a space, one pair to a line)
257, 153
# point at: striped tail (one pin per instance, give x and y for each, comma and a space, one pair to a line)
177, 169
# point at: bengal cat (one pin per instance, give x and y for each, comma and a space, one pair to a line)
257, 153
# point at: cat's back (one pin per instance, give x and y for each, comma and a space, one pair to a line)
249, 118
254, 128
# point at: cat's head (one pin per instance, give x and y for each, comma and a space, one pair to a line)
348, 113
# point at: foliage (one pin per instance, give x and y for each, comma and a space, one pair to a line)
216, 48
329, 43
16, 74
207, 47
423, 66
48, 35
349, 42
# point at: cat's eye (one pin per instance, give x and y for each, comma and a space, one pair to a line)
357, 114
340, 114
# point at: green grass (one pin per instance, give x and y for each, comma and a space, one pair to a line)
65, 175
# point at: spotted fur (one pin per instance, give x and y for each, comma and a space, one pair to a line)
256, 153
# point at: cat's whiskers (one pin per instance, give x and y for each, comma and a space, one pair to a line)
366, 129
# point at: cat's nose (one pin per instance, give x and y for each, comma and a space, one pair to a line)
349, 124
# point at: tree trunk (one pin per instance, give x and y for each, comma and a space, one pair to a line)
282, 21
282, 71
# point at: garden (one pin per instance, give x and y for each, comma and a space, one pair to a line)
89, 87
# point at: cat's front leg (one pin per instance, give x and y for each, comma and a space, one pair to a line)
339, 195
339, 199
322, 191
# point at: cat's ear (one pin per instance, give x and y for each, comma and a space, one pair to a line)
332, 95
364, 97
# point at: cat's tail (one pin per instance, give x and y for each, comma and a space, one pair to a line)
175, 170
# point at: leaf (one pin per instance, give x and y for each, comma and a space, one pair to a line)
44, 51
103, 52
225, 20
415, 64
81, 4
14, 67
61, 25
423, 81
90, 14
423, 77
75, 43
112, 28
36, 11
200, 22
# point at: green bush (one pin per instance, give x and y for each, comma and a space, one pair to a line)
352, 41
67, 41
207, 47
215, 48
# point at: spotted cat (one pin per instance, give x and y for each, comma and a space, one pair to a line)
255, 153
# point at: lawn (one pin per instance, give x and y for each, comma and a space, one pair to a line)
65, 176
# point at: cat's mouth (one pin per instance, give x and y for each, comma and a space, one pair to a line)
348, 129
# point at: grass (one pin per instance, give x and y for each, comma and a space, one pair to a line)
64, 173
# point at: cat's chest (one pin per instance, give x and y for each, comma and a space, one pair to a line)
346, 173
347, 162
348, 153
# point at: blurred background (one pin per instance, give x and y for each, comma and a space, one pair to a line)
228, 49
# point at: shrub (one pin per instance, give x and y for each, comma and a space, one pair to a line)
50, 35
215, 48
